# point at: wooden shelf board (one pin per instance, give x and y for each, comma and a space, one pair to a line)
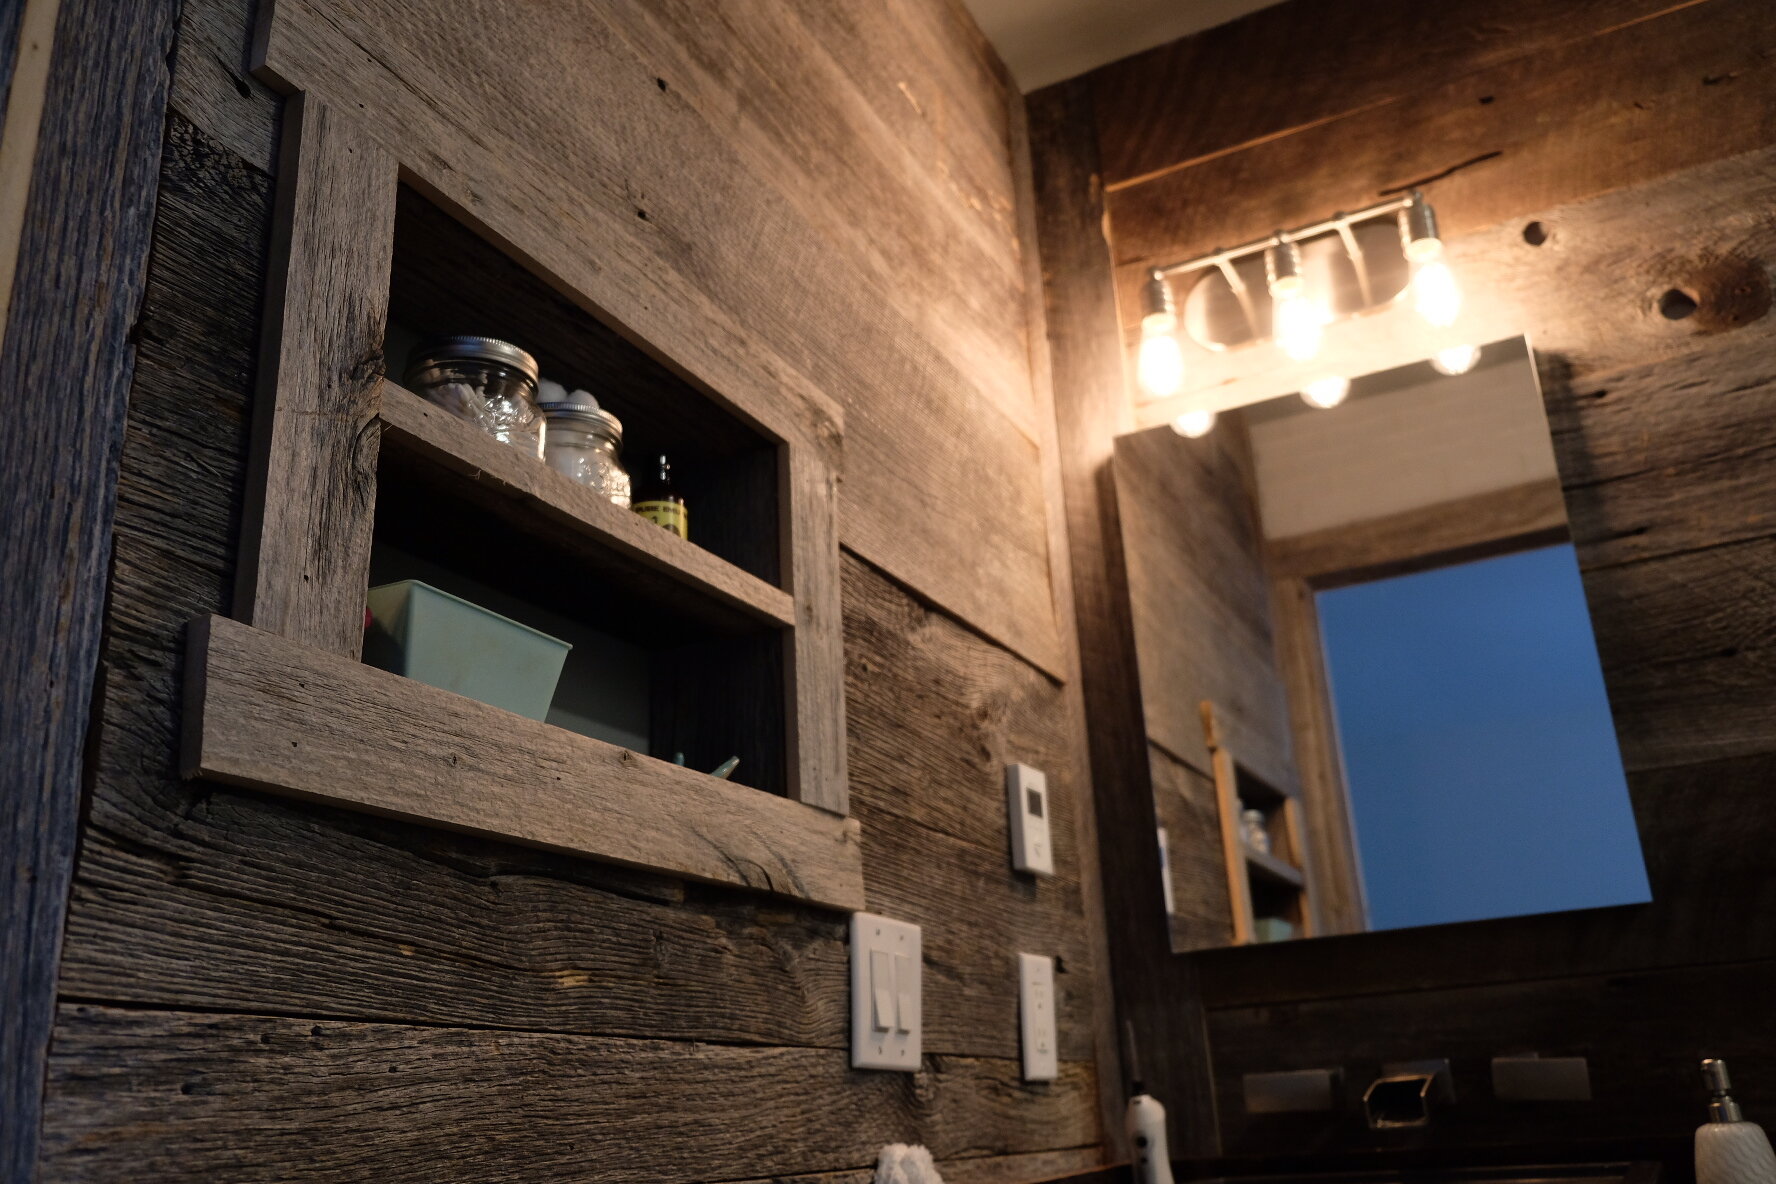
273, 714
509, 482
1270, 867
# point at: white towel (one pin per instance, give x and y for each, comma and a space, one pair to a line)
901, 1164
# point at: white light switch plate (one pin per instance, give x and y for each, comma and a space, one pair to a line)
1026, 792
1165, 871
1036, 1014
886, 981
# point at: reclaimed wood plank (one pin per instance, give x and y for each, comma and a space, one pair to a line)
1265, 75
532, 489
820, 774
1198, 596
1337, 874
1185, 804
272, 714
1528, 515
75, 289
1659, 459
1636, 102
305, 535
1641, 1085
158, 1096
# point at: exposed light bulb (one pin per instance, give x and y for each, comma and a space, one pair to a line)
1435, 293
1160, 368
1194, 423
1297, 324
1326, 393
1457, 359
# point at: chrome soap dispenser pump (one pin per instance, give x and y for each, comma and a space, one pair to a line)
1730, 1150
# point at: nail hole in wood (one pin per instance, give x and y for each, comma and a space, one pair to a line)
1676, 304
1535, 234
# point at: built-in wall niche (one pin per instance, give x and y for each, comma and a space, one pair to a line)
1272, 867
727, 645
446, 280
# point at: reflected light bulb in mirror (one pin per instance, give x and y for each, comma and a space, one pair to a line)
1326, 393
1435, 293
1296, 322
1194, 423
1161, 365
1457, 359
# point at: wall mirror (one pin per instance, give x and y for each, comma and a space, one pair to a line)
1371, 694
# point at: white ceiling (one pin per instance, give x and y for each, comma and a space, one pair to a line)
1045, 41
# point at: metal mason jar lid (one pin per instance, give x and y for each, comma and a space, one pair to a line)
580, 409
473, 349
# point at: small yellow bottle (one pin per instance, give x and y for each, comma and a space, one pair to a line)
657, 500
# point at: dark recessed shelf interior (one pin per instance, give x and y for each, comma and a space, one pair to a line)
640, 670
1277, 884
447, 280
662, 663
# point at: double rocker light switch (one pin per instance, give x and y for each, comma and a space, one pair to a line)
1027, 798
885, 993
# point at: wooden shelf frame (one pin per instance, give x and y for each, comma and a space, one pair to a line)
1244, 863
278, 699
1263, 863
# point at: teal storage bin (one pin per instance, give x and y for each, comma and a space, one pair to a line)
444, 641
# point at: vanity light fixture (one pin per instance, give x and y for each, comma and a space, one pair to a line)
1298, 317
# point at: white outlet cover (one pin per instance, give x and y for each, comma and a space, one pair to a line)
1036, 1016
1028, 803
887, 980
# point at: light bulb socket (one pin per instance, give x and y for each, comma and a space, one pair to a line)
1418, 230
1156, 296
1282, 268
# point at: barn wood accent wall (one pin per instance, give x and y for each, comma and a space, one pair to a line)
1622, 185
308, 958
69, 345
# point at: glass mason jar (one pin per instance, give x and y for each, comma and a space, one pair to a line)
490, 383
587, 444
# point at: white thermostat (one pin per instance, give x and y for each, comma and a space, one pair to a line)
1027, 794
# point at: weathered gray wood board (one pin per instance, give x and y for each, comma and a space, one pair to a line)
268, 713
235, 1096
1639, 1033
202, 898
1594, 113
1200, 599
685, 238
1266, 75
65, 370
1533, 514
305, 538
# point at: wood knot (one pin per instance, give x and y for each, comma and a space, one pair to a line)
1718, 295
